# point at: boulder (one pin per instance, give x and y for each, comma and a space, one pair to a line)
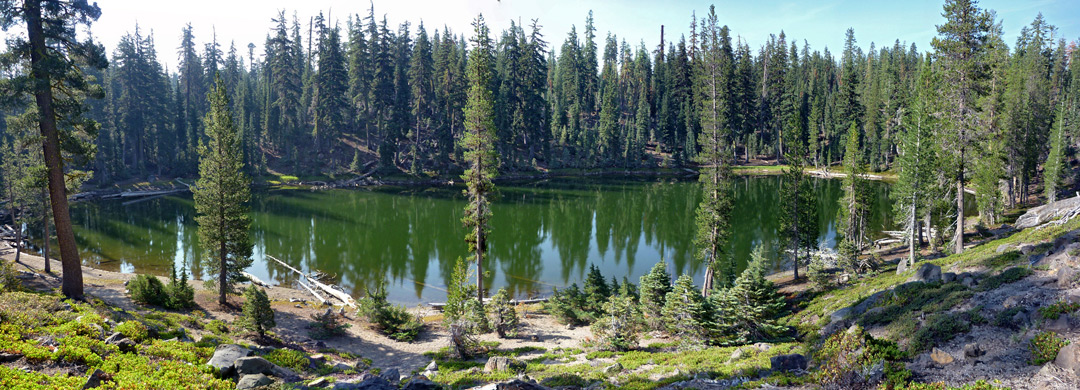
1002, 248
94, 380
940, 357
319, 382
371, 383
516, 384
317, 359
973, 350
948, 277
9, 357
1060, 325
1068, 357
1066, 276
926, 273
113, 338
613, 369
253, 381
1048, 212
1026, 249
738, 354
252, 365
284, 373
432, 366
126, 345
788, 362
969, 281
502, 363
1012, 301
391, 375
1020, 319
225, 357
842, 314
420, 383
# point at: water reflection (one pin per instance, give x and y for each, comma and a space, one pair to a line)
545, 233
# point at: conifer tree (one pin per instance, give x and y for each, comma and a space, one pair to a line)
619, 327
51, 59
330, 105
687, 314
916, 162
221, 196
479, 145
504, 318
959, 46
655, 286
854, 208
1055, 162
596, 292
759, 305
257, 315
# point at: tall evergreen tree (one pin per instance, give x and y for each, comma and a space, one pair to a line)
479, 145
221, 196
51, 58
331, 104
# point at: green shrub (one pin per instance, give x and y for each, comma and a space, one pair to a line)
326, 325
566, 306
289, 358
846, 358
147, 290
818, 276
133, 330
217, 327
1008, 276
1054, 311
1045, 346
11, 378
938, 328
504, 318
654, 288
257, 315
9, 278
393, 321
751, 309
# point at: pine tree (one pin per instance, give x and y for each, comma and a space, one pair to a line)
687, 314
330, 105
619, 327
50, 59
759, 304
596, 291
854, 209
479, 144
714, 213
916, 162
422, 82
655, 286
1055, 162
257, 315
221, 196
959, 45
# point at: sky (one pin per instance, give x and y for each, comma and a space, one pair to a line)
822, 23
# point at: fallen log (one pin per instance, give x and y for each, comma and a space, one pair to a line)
255, 279
340, 295
317, 296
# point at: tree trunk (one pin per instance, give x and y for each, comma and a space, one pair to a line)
72, 285
479, 261
959, 238
45, 221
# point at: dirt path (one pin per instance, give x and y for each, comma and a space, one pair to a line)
292, 318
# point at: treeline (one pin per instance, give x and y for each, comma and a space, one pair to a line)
327, 98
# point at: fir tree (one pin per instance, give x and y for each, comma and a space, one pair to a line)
655, 286
504, 318
257, 315
619, 327
221, 195
917, 163
596, 291
687, 314
759, 304
479, 144
854, 209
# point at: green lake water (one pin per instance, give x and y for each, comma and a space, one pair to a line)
545, 233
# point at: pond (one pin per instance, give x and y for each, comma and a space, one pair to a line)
544, 233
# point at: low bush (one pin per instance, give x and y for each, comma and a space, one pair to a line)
938, 328
148, 290
567, 306
1008, 276
180, 294
504, 318
1055, 311
326, 325
393, 321
1045, 346
9, 278
289, 358
619, 329
133, 330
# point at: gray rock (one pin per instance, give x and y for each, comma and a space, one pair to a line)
339, 367
1003, 247
372, 383
320, 382
973, 350
788, 362
391, 375
948, 277
516, 384
99, 329
432, 366
417, 383
502, 363
968, 282
225, 357
9, 357
940, 357
738, 354
253, 381
1068, 357
842, 314
613, 369
127, 345
1020, 319
1048, 212
1026, 249
283, 373
252, 365
762, 347
926, 273
113, 338
1066, 276
1060, 325
94, 380
1012, 301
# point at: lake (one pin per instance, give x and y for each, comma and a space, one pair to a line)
544, 233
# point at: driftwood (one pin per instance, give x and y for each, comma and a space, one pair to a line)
254, 279
340, 295
313, 292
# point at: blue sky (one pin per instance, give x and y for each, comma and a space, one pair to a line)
821, 23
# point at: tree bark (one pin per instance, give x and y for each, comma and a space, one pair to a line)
72, 285
45, 221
